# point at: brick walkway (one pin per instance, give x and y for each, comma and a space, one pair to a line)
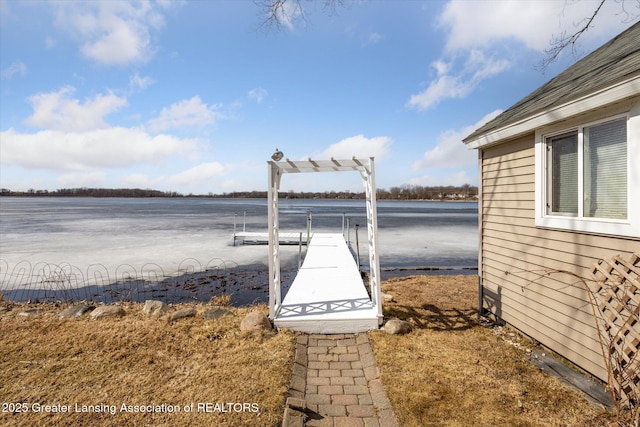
336, 383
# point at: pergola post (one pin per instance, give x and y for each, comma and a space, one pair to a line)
275, 299
368, 177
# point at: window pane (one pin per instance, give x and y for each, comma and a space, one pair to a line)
564, 174
605, 170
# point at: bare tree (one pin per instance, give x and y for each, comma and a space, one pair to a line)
558, 44
564, 41
282, 13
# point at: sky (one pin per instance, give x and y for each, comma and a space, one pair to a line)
195, 96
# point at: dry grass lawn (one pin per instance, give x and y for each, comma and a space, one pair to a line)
137, 360
450, 371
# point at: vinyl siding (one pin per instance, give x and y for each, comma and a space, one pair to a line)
521, 264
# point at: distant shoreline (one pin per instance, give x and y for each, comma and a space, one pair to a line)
404, 193
42, 196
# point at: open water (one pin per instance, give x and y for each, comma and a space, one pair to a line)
113, 239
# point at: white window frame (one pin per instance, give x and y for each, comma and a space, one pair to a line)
629, 227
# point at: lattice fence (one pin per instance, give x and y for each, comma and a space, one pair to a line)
616, 291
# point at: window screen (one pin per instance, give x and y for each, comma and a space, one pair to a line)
605, 170
564, 174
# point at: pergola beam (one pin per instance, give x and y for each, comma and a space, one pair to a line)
333, 165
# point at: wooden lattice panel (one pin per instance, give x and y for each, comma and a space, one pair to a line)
617, 297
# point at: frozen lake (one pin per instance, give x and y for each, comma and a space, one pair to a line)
188, 234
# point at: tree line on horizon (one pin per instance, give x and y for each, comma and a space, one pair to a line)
404, 192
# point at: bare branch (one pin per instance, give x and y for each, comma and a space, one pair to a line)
630, 17
280, 13
559, 44
283, 13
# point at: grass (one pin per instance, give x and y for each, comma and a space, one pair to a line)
138, 360
451, 371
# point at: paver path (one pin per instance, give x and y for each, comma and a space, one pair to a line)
336, 383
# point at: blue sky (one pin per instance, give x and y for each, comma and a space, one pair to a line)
194, 96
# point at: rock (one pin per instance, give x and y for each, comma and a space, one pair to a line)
4, 310
76, 311
183, 314
255, 321
155, 308
31, 312
216, 313
387, 298
397, 327
106, 311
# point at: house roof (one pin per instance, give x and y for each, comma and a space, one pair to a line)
616, 61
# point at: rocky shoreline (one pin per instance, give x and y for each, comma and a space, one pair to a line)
244, 286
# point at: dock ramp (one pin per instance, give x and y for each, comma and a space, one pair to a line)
328, 295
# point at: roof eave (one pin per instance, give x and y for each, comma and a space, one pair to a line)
617, 92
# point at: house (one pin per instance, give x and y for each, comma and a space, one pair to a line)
559, 190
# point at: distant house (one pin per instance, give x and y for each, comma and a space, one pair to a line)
559, 190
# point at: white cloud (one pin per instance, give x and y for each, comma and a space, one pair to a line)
482, 67
441, 67
79, 151
59, 111
187, 113
112, 32
450, 151
443, 87
258, 94
482, 32
479, 24
199, 174
358, 146
533, 23
86, 179
373, 38
138, 180
203, 176
476, 68
457, 178
136, 82
16, 68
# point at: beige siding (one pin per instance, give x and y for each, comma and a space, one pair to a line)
522, 265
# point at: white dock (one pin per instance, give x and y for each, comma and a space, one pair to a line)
328, 295
258, 238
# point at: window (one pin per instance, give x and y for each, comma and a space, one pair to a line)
587, 172
583, 180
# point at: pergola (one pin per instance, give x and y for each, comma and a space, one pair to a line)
276, 170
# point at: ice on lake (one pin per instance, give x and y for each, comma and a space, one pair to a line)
166, 235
